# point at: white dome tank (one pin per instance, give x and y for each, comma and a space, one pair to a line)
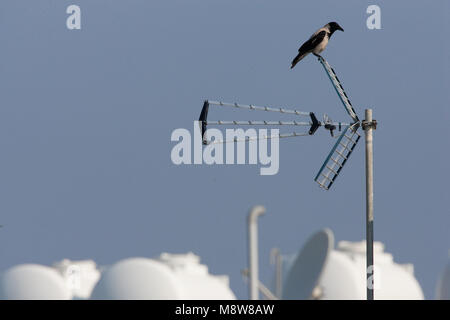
320, 272
31, 282
170, 276
344, 276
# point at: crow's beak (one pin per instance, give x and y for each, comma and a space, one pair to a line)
339, 28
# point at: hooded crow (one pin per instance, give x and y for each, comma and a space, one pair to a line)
317, 43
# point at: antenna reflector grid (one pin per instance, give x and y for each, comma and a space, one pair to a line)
339, 89
337, 158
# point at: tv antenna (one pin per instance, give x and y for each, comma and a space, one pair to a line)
336, 158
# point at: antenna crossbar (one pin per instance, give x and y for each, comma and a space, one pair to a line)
252, 107
265, 137
265, 123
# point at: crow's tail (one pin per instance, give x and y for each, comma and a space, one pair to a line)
299, 57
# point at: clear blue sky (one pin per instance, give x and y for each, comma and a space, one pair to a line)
86, 118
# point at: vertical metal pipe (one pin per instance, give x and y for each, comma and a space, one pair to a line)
369, 204
276, 258
255, 212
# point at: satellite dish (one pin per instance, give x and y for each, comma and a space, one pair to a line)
33, 282
307, 268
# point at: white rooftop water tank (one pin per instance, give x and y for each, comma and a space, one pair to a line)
31, 282
171, 276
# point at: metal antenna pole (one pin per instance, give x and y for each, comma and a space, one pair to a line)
255, 212
368, 125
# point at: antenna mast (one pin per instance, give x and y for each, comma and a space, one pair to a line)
330, 169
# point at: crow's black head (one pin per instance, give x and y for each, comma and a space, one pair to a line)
333, 26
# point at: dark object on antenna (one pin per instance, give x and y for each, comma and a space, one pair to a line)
315, 123
329, 124
202, 119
